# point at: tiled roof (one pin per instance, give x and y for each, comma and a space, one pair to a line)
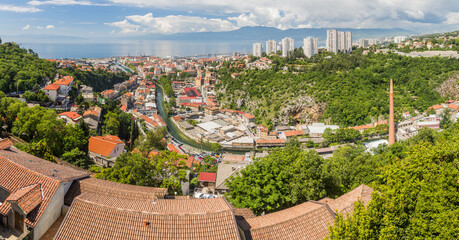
345, 203
43, 167
309, 220
5, 143
19, 170
103, 145
293, 133
64, 81
52, 87
72, 115
453, 106
172, 148
27, 198
95, 216
99, 186
207, 177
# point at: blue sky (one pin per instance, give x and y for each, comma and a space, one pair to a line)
98, 19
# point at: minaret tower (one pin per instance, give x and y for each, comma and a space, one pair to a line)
391, 115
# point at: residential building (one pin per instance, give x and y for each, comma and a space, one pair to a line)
105, 149
257, 49
317, 129
332, 41
92, 117
52, 91
70, 117
65, 84
87, 93
399, 39
32, 192
262, 131
310, 46
363, 43
288, 45
339, 41
225, 171
271, 46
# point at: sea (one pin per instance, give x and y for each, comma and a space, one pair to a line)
137, 48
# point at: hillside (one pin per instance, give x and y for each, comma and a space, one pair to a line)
345, 89
22, 69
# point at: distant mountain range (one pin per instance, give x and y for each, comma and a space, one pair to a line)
262, 34
245, 34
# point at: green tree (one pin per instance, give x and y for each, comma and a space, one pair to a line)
78, 158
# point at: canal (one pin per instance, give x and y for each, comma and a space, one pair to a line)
171, 128
175, 132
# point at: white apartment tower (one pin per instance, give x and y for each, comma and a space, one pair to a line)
288, 45
271, 46
316, 45
257, 49
310, 46
332, 40
339, 41
348, 46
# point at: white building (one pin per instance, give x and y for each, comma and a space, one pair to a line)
310, 47
363, 43
399, 39
257, 49
288, 45
332, 40
339, 41
271, 46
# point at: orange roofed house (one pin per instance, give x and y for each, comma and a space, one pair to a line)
105, 149
32, 192
70, 117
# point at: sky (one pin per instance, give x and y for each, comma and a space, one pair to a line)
102, 19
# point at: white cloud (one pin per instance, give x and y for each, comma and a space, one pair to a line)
26, 27
50, 27
415, 14
65, 2
125, 26
18, 9
172, 24
325, 13
39, 27
452, 18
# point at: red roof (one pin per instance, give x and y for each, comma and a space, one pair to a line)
436, 107
207, 177
66, 81
172, 148
453, 106
247, 115
72, 115
123, 108
27, 198
103, 145
293, 133
52, 87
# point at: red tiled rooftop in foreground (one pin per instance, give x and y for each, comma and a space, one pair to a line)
52, 87
207, 177
94, 216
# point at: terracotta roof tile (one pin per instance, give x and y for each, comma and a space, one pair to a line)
95, 216
5, 143
309, 220
103, 145
345, 203
207, 177
19, 170
27, 198
72, 115
52, 87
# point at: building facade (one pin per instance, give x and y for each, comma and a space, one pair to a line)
257, 49
271, 46
288, 45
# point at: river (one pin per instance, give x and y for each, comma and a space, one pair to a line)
175, 132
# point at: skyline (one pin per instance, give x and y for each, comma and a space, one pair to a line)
96, 19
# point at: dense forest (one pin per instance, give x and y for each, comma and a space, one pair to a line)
415, 182
21, 69
347, 89
99, 79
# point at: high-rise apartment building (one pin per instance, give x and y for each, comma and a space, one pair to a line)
257, 49
332, 41
310, 46
339, 41
271, 46
348, 45
316, 45
288, 45
363, 43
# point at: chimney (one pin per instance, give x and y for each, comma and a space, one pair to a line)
391, 114
146, 223
5, 144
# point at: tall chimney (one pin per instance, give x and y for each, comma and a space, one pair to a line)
391, 115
